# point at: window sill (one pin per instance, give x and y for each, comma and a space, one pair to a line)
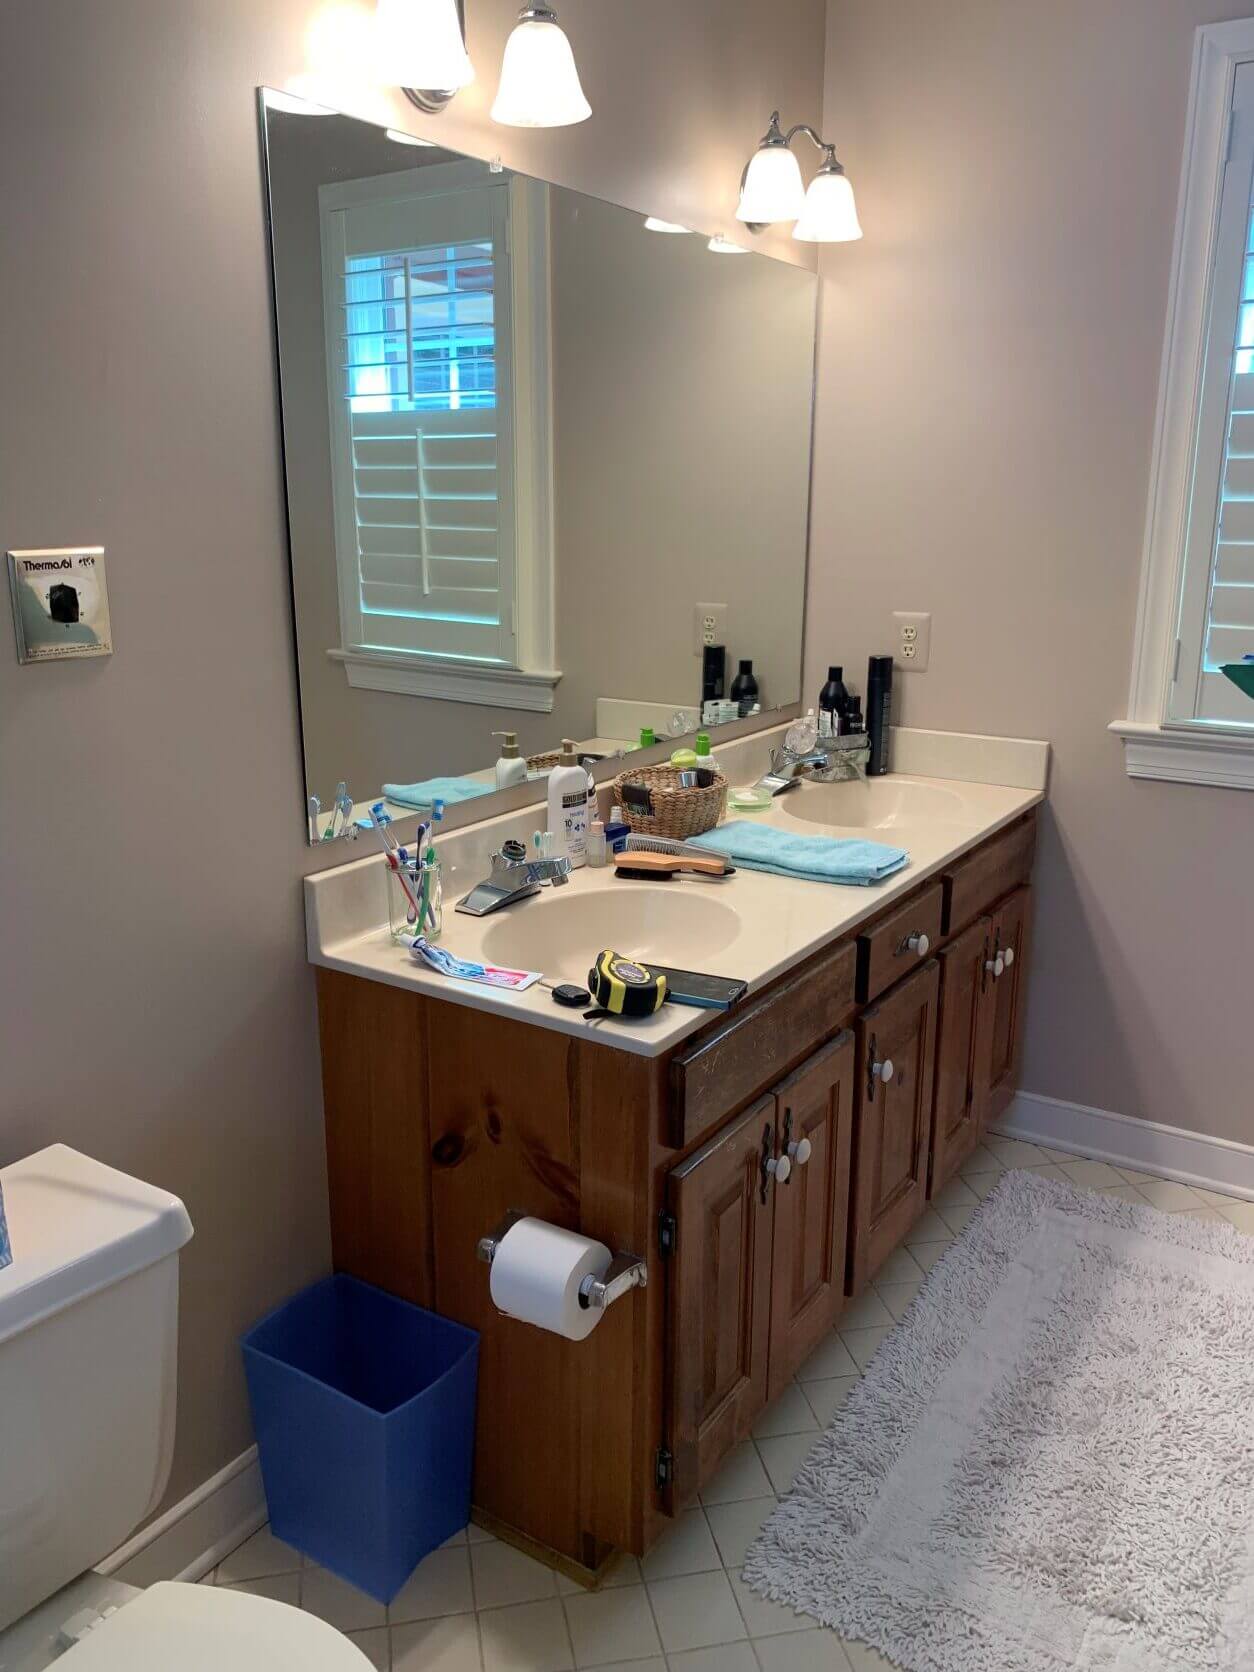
1225, 759
409, 675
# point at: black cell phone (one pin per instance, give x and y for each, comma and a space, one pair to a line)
704, 992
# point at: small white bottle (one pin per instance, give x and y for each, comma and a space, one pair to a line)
597, 853
511, 768
568, 807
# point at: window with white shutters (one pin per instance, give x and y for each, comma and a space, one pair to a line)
1215, 624
418, 303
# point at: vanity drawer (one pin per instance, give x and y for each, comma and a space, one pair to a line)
759, 1043
989, 874
884, 951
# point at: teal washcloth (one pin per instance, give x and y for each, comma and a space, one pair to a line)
6, 1252
431, 790
763, 847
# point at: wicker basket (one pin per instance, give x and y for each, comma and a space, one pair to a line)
545, 762
677, 811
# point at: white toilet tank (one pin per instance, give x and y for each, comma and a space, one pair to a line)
88, 1351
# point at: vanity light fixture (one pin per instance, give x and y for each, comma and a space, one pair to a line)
399, 137
292, 103
422, 48
539, 86
724, 246
654, 224
772, 189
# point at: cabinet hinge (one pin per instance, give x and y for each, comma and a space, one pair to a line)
667, 1233
663, 1467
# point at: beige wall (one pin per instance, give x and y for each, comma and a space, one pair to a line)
989, 371
157, 1009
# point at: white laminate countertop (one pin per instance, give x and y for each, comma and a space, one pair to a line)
755, 927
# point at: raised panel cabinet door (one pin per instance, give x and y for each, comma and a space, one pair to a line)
1012, 924
963, 1050
893, 1123
723, 1200
815, 1113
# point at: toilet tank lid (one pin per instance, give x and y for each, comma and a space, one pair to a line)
77, 1226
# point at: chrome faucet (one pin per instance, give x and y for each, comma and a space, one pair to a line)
833, 760
514, 877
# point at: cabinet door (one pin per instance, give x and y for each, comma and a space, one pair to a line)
963, 1051
723, 1201
894, 1118
815, 1115
1011, 930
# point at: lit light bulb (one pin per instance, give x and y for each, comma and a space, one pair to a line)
420, 44
773, 189
830, 215
539, 85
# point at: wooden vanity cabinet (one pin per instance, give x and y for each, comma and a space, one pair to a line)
757, 1277
442, 1119
896, 1045
964, 1051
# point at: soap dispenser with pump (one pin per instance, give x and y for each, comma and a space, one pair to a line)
511, 768
568, 807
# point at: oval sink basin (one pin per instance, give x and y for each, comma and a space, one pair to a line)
875, 804
561, 932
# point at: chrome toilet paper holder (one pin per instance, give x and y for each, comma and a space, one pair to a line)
625, 1271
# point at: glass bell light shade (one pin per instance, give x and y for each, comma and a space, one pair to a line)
830, 215
539, 85
773, 188
653, 223
421, 45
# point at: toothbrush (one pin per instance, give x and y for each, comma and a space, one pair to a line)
315, 807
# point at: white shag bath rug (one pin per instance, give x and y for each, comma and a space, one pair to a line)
1049, 1464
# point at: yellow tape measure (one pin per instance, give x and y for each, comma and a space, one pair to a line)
624, 987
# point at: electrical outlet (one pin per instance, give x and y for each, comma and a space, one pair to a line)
711, 626
913, 639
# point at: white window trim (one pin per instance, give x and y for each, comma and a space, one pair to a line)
1154, 746
412, 674
530, 683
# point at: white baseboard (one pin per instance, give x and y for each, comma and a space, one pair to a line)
196, 1533
1168, 1152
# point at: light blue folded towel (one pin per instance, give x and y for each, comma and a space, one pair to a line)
6, 1252
437, 789
843, 859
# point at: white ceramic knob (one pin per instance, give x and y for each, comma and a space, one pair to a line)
883, 1071
996, 966
1008, 956
801, 1150
780, 1168
919, 943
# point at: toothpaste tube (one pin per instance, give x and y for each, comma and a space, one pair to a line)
460, 969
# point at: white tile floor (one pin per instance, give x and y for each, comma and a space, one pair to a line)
480, 1606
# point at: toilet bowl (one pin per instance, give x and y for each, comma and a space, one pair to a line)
195, 1628
88, 1353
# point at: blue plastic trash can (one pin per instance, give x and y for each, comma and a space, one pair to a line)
364, 1407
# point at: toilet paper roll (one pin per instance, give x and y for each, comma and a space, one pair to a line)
536, 1274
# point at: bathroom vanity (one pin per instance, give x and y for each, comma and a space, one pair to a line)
881, 1041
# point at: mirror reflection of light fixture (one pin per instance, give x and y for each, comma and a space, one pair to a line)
399, 137
725, 246
539, 86
422, 50
654, 224
772, 189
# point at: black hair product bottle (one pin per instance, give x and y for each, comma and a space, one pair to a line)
879, 712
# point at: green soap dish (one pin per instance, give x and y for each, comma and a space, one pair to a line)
1241, 674
749, 799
